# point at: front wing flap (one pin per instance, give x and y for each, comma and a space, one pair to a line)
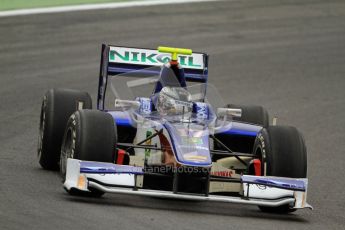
255, 190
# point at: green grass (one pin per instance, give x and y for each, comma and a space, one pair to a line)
25, 4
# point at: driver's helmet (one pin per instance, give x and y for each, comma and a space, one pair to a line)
174, 101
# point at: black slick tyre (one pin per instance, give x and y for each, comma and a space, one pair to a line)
253, 114
283, 153
90, 135
57, 107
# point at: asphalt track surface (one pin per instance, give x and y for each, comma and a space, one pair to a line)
288, 56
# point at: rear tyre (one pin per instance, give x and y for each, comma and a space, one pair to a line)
90, 136
283, 153
57, 107
253, 114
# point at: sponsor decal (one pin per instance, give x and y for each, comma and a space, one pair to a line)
193, 157
201, 110
152, 57
219, 170
184, 103
197, 147
145, 105
192, 140
222, 173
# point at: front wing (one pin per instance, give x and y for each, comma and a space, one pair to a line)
122, 179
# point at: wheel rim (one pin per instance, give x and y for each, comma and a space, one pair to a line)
66, 152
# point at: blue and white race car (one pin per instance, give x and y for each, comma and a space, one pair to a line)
161, 130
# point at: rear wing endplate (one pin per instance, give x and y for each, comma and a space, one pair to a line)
118, 60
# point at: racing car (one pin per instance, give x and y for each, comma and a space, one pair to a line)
161, 130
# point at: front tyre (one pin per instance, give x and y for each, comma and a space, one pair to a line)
283, 154
90, 135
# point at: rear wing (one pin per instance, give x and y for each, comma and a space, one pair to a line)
118, 60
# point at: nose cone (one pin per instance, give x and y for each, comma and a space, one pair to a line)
190, 143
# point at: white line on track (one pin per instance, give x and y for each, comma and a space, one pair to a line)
59, 9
